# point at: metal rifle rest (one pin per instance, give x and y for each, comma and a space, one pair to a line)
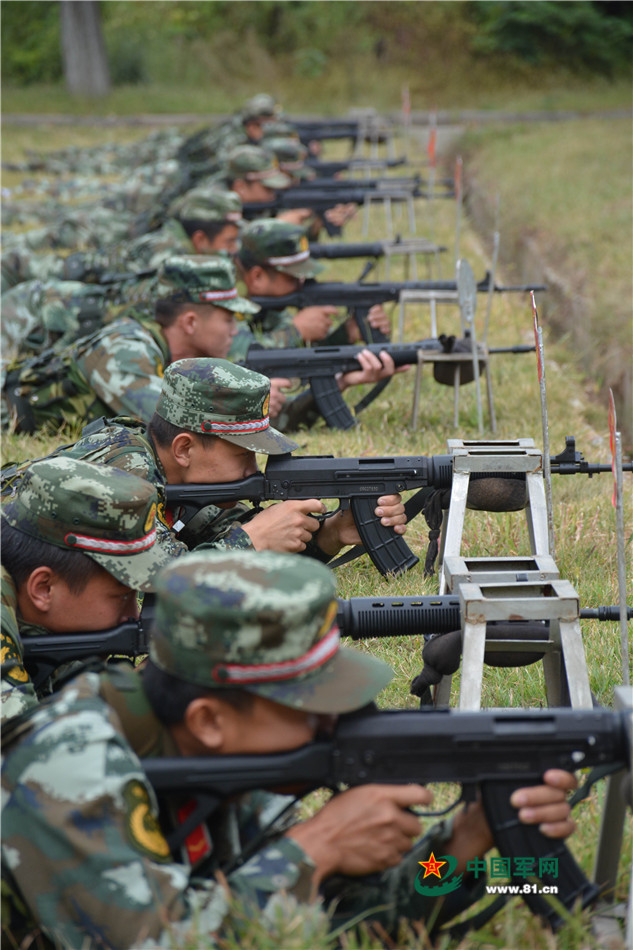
510, 588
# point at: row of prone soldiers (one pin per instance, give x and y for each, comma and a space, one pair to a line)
244, 655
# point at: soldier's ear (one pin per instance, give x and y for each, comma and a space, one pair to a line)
38, 588
201, 242
206, 723
187, 321
181, 448
256, 279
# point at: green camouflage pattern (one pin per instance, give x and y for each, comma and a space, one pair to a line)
270, 329
81, 825
260, 105
220, 398
263, 622
117, 370
20, 265
146, 252
124, 443
278, 128
202, 279
208, 204
80, 230
17, 693
109, 515
37, 314
254, 163
278, 244
290, 154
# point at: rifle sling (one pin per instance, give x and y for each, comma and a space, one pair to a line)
371, 395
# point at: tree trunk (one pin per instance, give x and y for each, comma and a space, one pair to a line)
83, 49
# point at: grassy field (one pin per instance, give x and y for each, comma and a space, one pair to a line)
584, 519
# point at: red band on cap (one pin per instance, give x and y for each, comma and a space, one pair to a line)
318, 654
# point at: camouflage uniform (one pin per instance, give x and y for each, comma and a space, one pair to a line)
108, 515
195, 394
205, 144
119, 368
268, 242
37, 314
82, 825
205, 205
283, 246
250, 162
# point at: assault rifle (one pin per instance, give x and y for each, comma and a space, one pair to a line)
361, 297
357, 483
375, 248
359, 618
318, 365
319, 130
412, 183
323, 199
329, 168
489, 753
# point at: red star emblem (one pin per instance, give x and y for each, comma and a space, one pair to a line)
432, 866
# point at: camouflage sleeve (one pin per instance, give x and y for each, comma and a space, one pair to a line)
79, 825
126, 374
283, 336
17, 693
215, 528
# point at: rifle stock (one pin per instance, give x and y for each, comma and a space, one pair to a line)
492, 753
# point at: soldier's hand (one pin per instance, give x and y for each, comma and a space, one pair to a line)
546, 805
543, 805
295, 215
285, 526
277, 397
363, 830
376, 317
313, 323
340, 214
340, 529
374, 368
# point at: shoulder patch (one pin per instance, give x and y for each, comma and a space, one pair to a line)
141, 823
12, 667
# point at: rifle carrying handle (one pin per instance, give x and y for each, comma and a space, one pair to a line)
330, 403
513, 839
388, 550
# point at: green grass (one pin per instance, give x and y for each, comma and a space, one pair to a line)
583, 517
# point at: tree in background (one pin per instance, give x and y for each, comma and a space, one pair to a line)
83, 50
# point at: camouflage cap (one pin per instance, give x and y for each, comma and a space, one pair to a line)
260, 106
253, 163
202, 279
263, 622
280, 245
278, 127
221, 398
291, 155
208, 204
104, 512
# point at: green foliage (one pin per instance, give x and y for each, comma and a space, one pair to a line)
581, 35
31, 41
